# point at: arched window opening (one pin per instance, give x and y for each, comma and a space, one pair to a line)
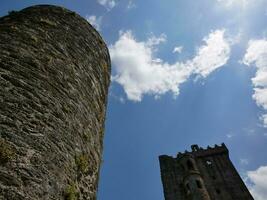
208, 162
190, 165
218, 191
187, 187
199, 185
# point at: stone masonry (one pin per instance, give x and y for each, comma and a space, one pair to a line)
54, 78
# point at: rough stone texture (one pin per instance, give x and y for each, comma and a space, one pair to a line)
203, 174
54, 78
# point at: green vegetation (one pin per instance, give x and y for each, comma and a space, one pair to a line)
87, 136
70, 192
7, 152
65, 108
82, 162
34, 38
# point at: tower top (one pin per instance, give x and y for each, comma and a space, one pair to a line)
197, 151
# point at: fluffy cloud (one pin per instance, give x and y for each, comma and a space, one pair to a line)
258, 178
140, 72
213, 55
178, 49
94, 21
256, 55
231, 3
108, 4
131, 5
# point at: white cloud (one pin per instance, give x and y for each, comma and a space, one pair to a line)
153, 40
94, 21
122, 100
140, 72
256, 55
213, 55
258, 186
231, 3
131, 5
178, 49
244, 161
108, 4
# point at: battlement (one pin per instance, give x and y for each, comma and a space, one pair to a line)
197, 151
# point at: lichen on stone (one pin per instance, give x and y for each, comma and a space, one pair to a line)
82, 162
7, 152
71, 192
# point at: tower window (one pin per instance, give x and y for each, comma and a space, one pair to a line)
190, 165
187, 187
208, 162
199, 185
218, 191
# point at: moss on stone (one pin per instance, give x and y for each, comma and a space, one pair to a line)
71, 192
82, 163
7, 152
65, 108
87, 137
34, 38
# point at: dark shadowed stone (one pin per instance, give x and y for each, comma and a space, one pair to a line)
54, 78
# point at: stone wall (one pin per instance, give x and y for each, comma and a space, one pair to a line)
54, 78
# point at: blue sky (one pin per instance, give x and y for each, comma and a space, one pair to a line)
183, 72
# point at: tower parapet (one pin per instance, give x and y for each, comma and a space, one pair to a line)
199, 151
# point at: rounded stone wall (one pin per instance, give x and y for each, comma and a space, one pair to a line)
54, 78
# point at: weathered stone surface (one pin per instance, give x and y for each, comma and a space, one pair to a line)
54, 78
202, 174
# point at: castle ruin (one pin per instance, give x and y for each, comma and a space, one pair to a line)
202, 174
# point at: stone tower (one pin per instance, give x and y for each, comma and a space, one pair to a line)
54, 78
202, 174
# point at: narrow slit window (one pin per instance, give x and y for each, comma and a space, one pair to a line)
190, 165
218, 191
208, 162
199, 185
187, 187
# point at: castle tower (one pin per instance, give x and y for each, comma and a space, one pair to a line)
202, 174
54, 78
